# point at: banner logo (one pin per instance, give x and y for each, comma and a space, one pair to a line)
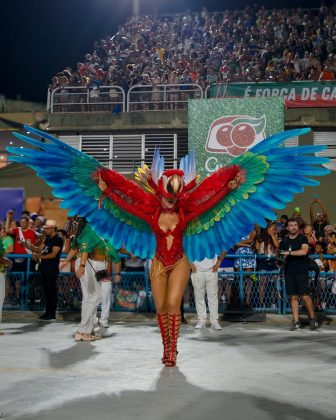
236, 134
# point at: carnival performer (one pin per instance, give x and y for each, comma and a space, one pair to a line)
93, 255
173, 219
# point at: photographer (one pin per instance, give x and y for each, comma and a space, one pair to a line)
319, 220
48, 254
294, 247
91, 269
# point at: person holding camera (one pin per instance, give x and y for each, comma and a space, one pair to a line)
93, 254
294, 247
320, 219
48, 256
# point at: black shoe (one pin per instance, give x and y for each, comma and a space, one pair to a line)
313, 324
47, 318
295, 326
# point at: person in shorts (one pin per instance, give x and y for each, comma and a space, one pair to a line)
294, 247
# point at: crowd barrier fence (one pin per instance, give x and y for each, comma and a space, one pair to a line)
86, 99
261, 291
163, 97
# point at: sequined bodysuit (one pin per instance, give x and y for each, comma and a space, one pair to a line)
169, 256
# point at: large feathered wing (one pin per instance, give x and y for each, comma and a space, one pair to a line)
73, 177
272, 175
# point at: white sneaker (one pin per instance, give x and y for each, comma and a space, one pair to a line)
103, 323
215, 325
200, 324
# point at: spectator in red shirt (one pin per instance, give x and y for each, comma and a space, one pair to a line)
21, 234
327, 74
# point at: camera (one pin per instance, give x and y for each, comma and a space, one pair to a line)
102, 275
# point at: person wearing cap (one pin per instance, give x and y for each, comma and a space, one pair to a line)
48, 256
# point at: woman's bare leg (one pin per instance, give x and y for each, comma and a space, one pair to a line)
159, 282
177, 282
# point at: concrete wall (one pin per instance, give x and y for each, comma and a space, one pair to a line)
79, 122
137, 121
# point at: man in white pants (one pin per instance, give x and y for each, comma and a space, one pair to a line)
105, 293
94, 254
91, 292
204, 277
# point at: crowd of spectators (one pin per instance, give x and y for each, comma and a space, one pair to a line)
251, 45
262, 244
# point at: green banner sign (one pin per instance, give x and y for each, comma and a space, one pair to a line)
221, 129
295, 94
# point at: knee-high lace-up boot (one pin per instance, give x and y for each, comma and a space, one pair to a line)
163, 323
174, 329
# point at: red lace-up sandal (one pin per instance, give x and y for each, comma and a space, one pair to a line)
174, 329
163, 323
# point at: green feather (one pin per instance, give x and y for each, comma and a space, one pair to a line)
255, 166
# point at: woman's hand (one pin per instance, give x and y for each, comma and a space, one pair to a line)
235, 182
101, 184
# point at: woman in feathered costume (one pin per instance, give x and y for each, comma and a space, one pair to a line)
174, 219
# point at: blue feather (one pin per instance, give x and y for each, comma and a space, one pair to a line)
289, 171
70, 173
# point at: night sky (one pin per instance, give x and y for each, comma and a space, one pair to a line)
40, 37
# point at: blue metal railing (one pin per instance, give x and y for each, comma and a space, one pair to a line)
260, 290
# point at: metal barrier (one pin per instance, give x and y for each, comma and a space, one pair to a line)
87, 99
323, 298
113, 98
95, 98
162, 97
15, 283
258, 290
